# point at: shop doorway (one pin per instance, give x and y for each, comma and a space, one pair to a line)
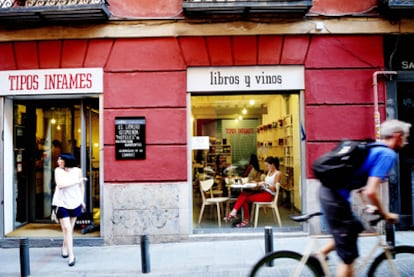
42, 129
404, 192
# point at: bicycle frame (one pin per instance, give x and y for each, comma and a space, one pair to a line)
360, 263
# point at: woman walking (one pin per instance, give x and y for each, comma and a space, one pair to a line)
69, 200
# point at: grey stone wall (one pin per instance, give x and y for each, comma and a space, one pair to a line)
160, 210
311, 205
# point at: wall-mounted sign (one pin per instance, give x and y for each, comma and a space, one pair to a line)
130, 138
51, 81
245, 78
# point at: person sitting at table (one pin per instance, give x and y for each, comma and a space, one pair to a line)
252, 171
221, 165
265, 192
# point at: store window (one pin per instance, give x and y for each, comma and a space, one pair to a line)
235, 127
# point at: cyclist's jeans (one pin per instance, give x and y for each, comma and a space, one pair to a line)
343, 225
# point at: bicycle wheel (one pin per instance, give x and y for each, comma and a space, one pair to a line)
404, 257
284, 263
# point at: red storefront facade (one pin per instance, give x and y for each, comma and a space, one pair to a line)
146, 76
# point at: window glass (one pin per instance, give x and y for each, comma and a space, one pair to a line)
238, 126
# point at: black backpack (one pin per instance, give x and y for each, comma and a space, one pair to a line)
338, 167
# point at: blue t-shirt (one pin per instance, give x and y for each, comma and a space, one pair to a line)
379, 163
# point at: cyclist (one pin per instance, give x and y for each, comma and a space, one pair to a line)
335, 202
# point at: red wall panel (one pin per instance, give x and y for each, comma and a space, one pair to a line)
194, 51
345, 51
26, 55
145, 89
73, 53
245, 49
7, 61
294, 49
334, 122
98, 52
49, 53
325, 125
340, 86
163, 126
269, 49
126, 9
162, 163
145, 54
147, 77
220, 51
335, 7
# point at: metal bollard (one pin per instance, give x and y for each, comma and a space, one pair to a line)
145, 257
269, 242
24, 257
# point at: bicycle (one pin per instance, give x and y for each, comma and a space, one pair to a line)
392, 261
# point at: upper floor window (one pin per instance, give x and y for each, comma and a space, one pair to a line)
396, 8
21, 13
214, 7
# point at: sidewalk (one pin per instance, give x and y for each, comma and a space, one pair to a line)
233, 257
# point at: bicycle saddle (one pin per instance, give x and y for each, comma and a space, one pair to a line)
304, 217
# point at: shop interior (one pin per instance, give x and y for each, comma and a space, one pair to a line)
234, 127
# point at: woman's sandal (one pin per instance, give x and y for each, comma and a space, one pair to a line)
229, 217
243, 224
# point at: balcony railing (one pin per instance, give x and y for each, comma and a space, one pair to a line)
192, 7
26, 13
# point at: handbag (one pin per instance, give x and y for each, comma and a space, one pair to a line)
53, 215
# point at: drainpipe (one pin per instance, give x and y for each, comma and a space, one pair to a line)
377, 119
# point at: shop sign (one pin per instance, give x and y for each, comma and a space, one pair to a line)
246, 78
51, 81
399, 53
130, 138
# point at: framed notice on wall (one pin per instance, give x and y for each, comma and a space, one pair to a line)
130, 138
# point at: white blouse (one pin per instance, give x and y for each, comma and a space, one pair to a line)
270, 180
69, 188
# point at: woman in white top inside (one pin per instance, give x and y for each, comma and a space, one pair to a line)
69, 200
266, 192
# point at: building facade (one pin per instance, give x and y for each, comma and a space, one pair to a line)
151, 95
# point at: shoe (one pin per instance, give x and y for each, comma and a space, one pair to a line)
72, 263
243, 224
229, 217
64, 255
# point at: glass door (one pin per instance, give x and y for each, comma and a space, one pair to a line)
43, 130
405, 189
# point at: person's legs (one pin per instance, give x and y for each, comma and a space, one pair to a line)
344, 270
256, 197
344, 228
67, 219
67, 229
237, 205
327, 248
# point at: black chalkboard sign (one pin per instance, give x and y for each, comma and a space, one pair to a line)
130, 138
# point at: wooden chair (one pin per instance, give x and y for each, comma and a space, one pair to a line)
272, 205
208, 199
